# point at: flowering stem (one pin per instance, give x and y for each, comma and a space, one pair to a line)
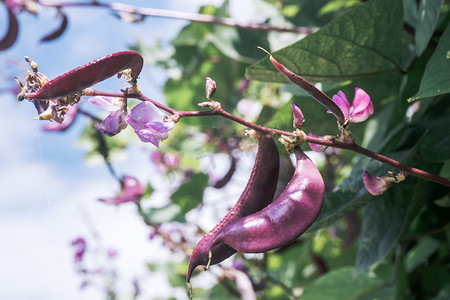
336, 144
154, 12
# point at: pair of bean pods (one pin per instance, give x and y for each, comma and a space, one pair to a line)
257, 223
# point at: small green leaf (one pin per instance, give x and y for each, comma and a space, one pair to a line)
427, 19
190, 194
364, 41
437, 76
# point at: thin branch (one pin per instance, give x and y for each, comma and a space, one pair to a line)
172, 14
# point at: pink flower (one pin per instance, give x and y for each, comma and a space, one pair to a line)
361, 109
148, 123
115, 121
376, 185
80, 247
131, 191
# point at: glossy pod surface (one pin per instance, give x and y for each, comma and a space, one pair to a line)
90, 74
285, 218
258, 193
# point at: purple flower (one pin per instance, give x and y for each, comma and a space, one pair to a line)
376, 185
115, 121
361, 109
299, 120
148, 123
80, 247
131, 191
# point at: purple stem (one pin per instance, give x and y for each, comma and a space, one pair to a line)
348, 146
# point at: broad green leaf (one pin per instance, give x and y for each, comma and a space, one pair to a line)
383, 223
341, 284
351, 193
436, 145
387, 216
364, 41
428, 16
437, 76
190, 194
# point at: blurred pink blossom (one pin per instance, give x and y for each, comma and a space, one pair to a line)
131, 191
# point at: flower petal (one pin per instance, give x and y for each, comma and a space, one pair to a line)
112, 124
375, 185
316, 147
362, 106
341, 100
146, 112
107, 103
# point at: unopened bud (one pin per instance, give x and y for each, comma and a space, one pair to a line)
210, 87
376, 185
299, 120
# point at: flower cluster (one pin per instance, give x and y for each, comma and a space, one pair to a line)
146, 119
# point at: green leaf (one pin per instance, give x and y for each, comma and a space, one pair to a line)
351, 193
436, 145
420, 253
340, 284
168, 213
190, 194
383, 223
364, 41
427, 19
437, 76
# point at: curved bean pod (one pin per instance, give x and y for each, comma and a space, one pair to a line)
11, 34
89, 74
258, 193
285, 218
309, 88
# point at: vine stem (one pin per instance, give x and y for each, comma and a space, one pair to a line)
330, 143
163, 13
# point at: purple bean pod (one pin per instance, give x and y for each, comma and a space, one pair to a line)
89, 74
258, 193
285, 219
13, 30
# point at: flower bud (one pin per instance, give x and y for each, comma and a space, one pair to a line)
210, 87
376, 185
299, 120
